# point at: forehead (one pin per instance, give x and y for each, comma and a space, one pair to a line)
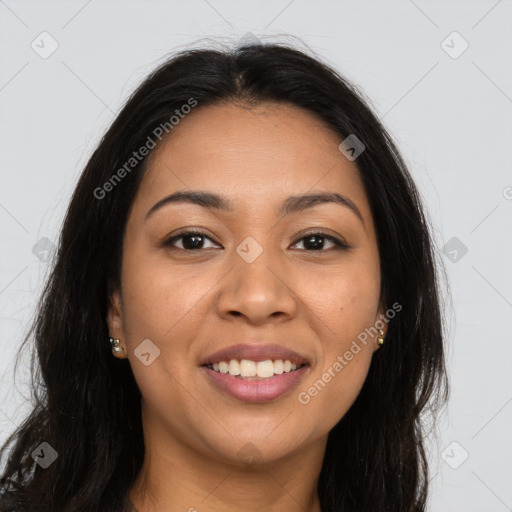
253, 155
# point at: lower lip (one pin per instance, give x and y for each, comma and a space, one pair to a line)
256, 390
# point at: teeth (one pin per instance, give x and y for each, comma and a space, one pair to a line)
265, 368
234, 367
248, 368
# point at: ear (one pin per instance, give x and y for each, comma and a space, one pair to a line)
381, 320
115, 321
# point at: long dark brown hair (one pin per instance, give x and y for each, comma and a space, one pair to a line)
87, 403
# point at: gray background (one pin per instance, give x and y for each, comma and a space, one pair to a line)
449, 110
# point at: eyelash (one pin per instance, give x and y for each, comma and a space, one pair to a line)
339, 244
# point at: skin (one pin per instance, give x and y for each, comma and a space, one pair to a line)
193, 303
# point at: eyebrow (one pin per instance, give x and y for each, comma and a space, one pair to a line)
292, 204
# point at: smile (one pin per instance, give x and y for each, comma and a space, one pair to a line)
253, 370
255, 382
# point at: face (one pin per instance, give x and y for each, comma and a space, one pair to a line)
256, 274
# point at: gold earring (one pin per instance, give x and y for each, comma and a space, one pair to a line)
114, 344
380, 340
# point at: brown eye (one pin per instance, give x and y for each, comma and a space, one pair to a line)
190, 241
315, 241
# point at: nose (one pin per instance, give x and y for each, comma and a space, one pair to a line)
259, 291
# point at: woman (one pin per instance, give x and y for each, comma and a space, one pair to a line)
244, 312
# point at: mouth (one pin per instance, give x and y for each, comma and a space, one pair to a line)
255, 381
255, 373
249, 370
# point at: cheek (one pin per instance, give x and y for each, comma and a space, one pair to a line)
346, 303
347, 309
162, 305
328, 396
159, 300
346, 353
165, 305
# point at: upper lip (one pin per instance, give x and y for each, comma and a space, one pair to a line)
256, 353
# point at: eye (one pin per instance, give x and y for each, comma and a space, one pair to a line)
190, 240
195, 240
315, 241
